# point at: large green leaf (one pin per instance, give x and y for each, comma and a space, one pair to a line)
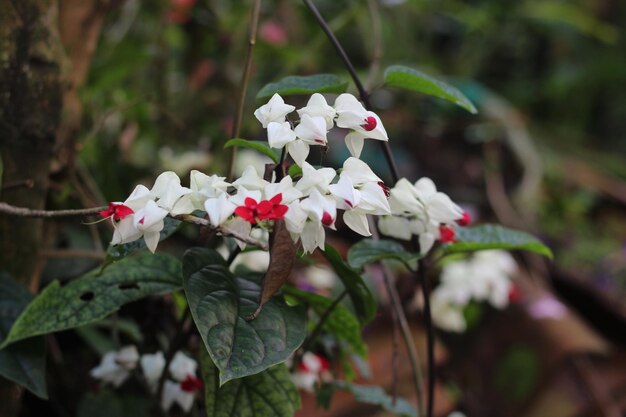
94, 296
361, 296
369, 251
220, 302
493, 236
376, 395
320, 83
260, 147
340, 322
415, 80
267, 394
23, 362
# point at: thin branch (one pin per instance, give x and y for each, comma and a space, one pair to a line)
377, 49
254, 22
26, 212
86, 254
363, 94
320, 324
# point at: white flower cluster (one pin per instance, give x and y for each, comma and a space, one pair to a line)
308, 206
116, 366
419, 209
311, 371
486, 276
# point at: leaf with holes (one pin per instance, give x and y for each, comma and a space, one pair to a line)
369, 251
270, 393
94, 296
340, 322
371, 394
220, 302
260, 147
361, 296
25, 361
493, 236
309, 84
415, 80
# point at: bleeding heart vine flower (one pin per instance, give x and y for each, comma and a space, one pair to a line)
318, 107
313, 369
167, 190
152, 366
115, 367
274, 111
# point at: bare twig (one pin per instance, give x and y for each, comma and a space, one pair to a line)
86, 254
254, 22
377, 49
26, 212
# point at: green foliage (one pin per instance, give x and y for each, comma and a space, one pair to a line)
261, 147
377, 396
220, 302
340, 322
492, 236
102, 343
117, 252
93, 297
361, 296
369, 251
517, 373
270, 393
292, 85
415, 80
23, 362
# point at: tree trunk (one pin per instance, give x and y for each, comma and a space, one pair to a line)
30, 110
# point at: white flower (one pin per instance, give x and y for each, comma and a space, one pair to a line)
320, 277
152, 366
322, 209
167, 190
313, 369
182, 366
312, 178
149, 222
174, 393
115, 367
207, 186
295, 219
372, 128
447, 315
219, 209
310, 131
250, 180
350, 112
284, 187
274, 111
280, 134
139, 198
317, 107
395, 226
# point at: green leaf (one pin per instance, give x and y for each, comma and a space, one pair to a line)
415, 80
369, 251
93, 297
118, 252
361, 296
292, 85
23, 362
258, 146
517, 373
106, 403
340, 322
270, 393
493, 236
219, 303
376, 395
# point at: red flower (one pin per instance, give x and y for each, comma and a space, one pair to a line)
116, 210
370, 123
447, 234
465, 220
191, 384
265, 210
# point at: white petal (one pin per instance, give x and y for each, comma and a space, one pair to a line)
182, 366
357, 222
152, 240
350, 112
125, 231
317, 106
150, 218
295, 218
354, 142
279, 134
241, 226
345, 193
250, 179
312, 236
139, 198
374, 200
394, 226
219, 209
359, 172
184, 205
298, 150
427, 240
274, 111
152, 366
312, 130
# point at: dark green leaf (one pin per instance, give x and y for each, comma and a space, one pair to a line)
376, 395
261, 147
369, 251
517, 373
117, 252
23, 362
340, 322
292, 85
493, 236
270, 393
93, 297
361, 296
220, 302
415, 80
106, 403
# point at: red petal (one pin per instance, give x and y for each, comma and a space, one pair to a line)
327, 219
447, 234
106, 213
465, 220
191, 384
264, 208
277, 199
250, 203
245, 213
279, 211
121, 211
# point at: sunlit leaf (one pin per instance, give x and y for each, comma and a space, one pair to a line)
319, 83
93, 297
415, 80
258, 146
493, 236
220, 303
